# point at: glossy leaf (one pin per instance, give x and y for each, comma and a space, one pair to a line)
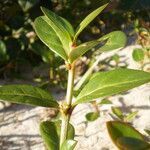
105, 101
111, 41
57, 23
127, 143
92, 116
138, 54
69, 145
27, 94
49, 37
117, 130
114, 40
88, 19
50, 132
108, 83
117, 112
131, 116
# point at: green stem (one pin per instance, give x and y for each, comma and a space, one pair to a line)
70, 85
64, 129
66, 115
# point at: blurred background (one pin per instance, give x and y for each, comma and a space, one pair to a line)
22, 53
25, 59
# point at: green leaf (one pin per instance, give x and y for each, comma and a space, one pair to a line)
3, 52
88, 19
67, 26
108, 83
48, 36
69, 145
105, 101
27, 94
130, 116
138, 54
81, 49
128, 143
57, 23
114, 40
117, 130
111, 41
92, 116
50, 132
117, 112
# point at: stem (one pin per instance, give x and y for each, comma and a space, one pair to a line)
96, 106
64, 129
69, 95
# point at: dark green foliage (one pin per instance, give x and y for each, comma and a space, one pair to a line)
17, 18
127, 143
50, 132
18, 39
92, 116
125, 137
27, 94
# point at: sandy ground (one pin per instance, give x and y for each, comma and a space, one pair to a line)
19, 125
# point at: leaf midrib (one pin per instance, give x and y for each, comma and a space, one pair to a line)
122, 83
48, 33
53, 44
66, 35
26, 95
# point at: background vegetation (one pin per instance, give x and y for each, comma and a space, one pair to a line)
21, 52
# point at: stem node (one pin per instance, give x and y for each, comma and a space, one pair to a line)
66, 108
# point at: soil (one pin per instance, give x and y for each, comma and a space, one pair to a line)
19, 124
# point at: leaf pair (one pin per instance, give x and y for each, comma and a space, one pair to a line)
59, 35
125, 137
104, 84
50, 132
27, 94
